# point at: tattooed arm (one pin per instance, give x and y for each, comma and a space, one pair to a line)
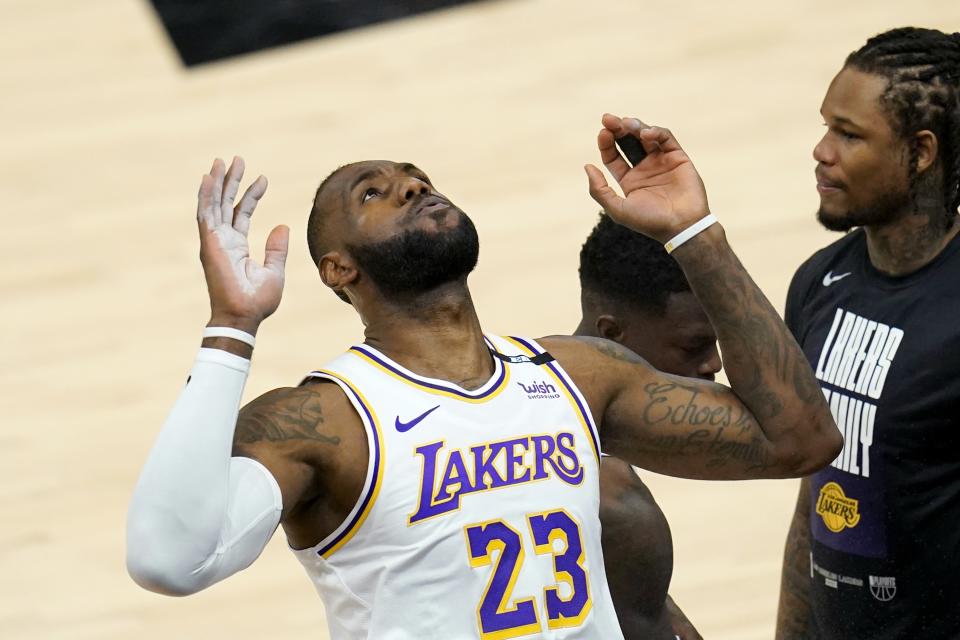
312, 441
679, 426
281, 429
793, 613
773, 420
215, 486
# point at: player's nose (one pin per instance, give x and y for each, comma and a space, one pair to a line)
824, 152
712, 365
411, 187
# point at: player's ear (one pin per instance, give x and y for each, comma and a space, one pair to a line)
609, 327
337, 270
927, 149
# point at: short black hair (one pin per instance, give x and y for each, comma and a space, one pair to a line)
624, 266
922, 69
318, 219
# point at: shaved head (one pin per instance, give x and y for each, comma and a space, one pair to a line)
320, 214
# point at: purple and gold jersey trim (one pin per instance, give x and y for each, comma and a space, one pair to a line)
573, 396
492, 388
371, 488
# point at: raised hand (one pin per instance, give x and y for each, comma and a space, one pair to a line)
242, 291
663, 193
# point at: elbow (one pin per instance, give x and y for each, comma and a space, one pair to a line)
152, 566
834, 444
819, 450
159, 579
828, 445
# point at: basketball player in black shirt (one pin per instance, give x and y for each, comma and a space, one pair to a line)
874, 547
633, 293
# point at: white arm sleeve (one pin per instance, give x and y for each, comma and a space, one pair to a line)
199, 515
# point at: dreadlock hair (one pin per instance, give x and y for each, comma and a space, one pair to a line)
627, 267
922, 69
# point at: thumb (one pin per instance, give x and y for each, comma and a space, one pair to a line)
600, 191
276, 251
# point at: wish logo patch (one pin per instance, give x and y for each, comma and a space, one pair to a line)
539, 390
837, 510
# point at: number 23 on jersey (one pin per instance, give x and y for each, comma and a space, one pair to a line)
498, 615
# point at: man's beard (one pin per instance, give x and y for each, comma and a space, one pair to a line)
418, 261
885, 209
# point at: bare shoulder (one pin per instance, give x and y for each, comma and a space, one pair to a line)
600, 368
317, 413
312, 441
594, 361
584, 351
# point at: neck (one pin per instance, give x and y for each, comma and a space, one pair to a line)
908, 243
587, 327
436, 334
588, 314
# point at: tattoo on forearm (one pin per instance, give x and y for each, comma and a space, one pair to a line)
298, 417
728, 435
675, 403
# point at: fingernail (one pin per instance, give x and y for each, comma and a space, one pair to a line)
633, 123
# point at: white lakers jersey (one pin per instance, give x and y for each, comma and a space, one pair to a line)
478, 518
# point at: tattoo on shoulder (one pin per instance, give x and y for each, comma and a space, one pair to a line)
298, 415
614, 350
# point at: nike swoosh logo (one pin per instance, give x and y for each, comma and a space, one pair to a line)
406, 426
829, 279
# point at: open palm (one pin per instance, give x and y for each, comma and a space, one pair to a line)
242, 291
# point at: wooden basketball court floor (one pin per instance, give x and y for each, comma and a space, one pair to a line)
104, 139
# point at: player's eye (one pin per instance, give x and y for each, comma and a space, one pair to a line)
697, 348
843, 133
370, 193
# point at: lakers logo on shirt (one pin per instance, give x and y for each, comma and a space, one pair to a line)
837, 510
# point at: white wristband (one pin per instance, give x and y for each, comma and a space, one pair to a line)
229, 332
690, 231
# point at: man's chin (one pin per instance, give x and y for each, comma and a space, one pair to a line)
835, 221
